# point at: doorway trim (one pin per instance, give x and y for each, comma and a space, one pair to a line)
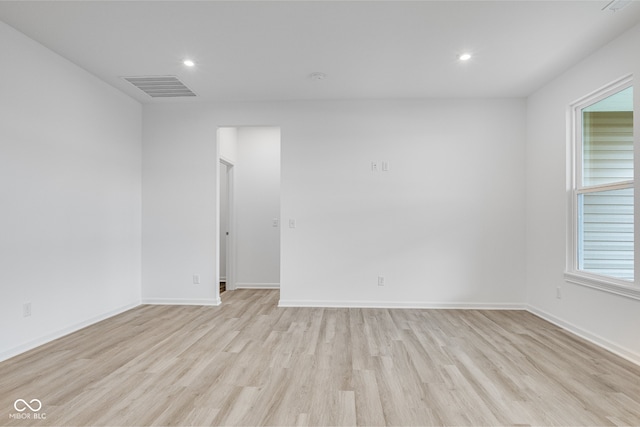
231, 224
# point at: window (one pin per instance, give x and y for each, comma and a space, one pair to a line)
601, 246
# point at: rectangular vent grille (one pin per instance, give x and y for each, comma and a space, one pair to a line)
160, 86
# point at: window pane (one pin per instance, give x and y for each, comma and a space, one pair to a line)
605, 233
607, 140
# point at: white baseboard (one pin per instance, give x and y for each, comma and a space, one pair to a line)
62, 332
412, 304
625, 353
257, 286
181, 301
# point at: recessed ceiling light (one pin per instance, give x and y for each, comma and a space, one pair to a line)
188, 63
464, 57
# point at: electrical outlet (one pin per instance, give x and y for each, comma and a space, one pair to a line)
26, 309
380, 280
374, 166
196, 279
558, 293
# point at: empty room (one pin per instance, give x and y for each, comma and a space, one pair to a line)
319, 213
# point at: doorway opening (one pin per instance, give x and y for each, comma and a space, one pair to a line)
248, 213
226, 173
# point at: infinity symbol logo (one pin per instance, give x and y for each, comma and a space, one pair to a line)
21, 405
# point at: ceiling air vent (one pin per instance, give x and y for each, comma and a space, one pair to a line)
160, 86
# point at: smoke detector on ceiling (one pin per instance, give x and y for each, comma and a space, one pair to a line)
317, 76
160, 86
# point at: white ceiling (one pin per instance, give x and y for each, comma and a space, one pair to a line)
265, 50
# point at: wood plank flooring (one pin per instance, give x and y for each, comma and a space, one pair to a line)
249, 362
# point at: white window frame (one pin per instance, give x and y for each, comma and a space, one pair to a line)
574, 157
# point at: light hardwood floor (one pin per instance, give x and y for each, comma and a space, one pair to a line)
248, 362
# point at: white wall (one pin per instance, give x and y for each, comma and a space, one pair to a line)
70, 193
445, 225
608, 319
179, 174
227, 143
257, 204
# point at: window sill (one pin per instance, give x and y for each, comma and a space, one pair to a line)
612, 286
